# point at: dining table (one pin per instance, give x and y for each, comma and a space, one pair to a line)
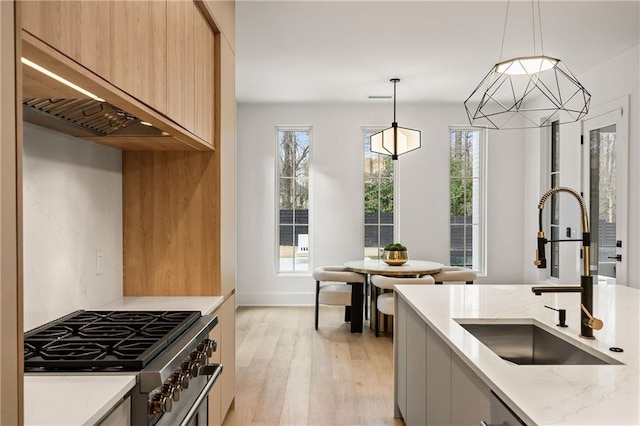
368, 267
379, 267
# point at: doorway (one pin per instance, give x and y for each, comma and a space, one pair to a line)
605, 189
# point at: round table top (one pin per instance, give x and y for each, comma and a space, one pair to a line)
412, 267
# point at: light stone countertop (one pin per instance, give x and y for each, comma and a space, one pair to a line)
79, 399
204, 304
72, 400
545, 394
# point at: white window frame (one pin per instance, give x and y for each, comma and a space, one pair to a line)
479, 250
554, 201
396, 166
278, 272
545, 185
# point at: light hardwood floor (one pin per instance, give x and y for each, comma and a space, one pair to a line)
289, 374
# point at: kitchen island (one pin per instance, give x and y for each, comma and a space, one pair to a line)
461, 373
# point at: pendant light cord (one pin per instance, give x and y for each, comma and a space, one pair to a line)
394, 100
504, 30
533, 26
540, 25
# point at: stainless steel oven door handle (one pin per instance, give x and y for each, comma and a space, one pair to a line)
205, 391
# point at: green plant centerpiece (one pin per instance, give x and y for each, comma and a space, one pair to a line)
395, 254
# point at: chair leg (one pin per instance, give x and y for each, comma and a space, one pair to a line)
347, 314
374, 313
366, 298
317, 300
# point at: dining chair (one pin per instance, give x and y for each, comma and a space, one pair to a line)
455, 274
338, 292
385, 302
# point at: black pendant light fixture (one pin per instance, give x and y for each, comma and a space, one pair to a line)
395, 140
509, 89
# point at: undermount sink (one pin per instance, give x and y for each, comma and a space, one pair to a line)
529, 344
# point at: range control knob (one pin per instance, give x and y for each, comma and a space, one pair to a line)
202, 347
160, 404
170, 390
180, 380
198, 357
189, 369
209, 346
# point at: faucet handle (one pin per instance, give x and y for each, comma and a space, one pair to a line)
594, 323
541, 261
537, 262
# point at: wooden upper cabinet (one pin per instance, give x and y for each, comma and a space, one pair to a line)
139, 50
204, 79
224, 14
181, 15
79, 29
160, 52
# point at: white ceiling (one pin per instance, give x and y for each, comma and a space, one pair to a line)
344, 51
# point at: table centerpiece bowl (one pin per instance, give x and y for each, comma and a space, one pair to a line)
395, 254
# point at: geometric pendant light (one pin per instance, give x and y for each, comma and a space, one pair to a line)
395, 140
526, 87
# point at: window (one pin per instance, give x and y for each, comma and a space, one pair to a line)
292, 249
467, 235
379, 186
554, 178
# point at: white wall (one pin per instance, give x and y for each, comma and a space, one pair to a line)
72, 201
610, 81
337, 192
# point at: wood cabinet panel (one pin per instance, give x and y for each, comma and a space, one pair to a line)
226, 149
161, 53
227, 318
79, 29
215, 417
11, 307
224, 15
204, 79
171, 224
139, 50
181, 16
221, 398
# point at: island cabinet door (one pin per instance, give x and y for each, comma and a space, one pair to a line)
438, 361
470, 397
416, 370
400, 357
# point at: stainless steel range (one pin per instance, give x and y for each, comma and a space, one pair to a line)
170, 350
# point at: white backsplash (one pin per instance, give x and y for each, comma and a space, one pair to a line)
72, 208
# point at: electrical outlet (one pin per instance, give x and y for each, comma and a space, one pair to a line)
99, 262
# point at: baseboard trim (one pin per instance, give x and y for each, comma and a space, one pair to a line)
275, 299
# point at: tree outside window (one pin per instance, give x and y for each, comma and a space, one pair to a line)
466, 198
293, 204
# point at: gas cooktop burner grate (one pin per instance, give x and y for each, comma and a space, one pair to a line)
104, 340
